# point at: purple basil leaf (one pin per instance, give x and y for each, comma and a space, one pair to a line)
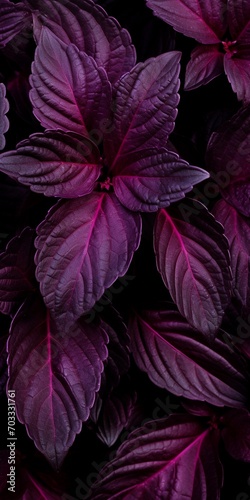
175, 458
83, 246
150, 179
228, 157
115, 415
69, 91
54, 163
178, 359
4, 108
90, 28
17, 271
55, 374
236, 434
237, 68
205, 21
237, 231
13, 18
206, 63
145, 107
238, 16
193, 259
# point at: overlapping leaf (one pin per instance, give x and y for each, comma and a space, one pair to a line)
69, 91
55, 374
90, 28
83, 246
193, 259
237, 230
150, 179
17, 271
178, 458
55, 164
228, 156
4, 108
179, 359
206, 63
205, 21
13, 18
145, 107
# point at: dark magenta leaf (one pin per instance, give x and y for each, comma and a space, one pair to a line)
69, 91
206, 63
179, 359
176, 458
238, 16
83, 246
150, 179
54, 163
237, 67
236, 434
193, 259
4, 108
145, 104
55, 373
237, 231
13, 19
228, 156
205, 21
34, 489
17, 271
90, 28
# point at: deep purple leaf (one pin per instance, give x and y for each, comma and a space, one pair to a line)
205, 21
237, 231
4, 108
90, 28
69, 91
145, 107
206, 63
83, 246
229, 159
193, 259
115, 415
178, 359
17, 271
55, 164
238, 16
237, 70
236, 434
13, 19
150, 179
175, 458
55, 374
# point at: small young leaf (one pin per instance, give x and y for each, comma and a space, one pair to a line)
206, 63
